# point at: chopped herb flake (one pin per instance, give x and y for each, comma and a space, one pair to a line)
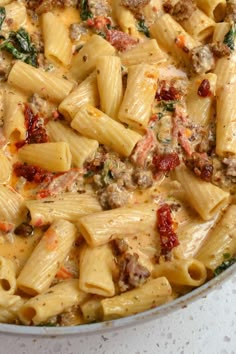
230, 38
19, 45
141, 27
107, 176
85, 12
225, 265
167, 106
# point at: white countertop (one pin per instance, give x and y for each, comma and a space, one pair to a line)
207, 326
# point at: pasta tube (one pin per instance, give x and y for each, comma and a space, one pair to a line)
152, 294
110, 85
9, 307
51, 303
172, 38
85, 61
32, 80
92, 310
17, 12
12, 205
215, 9
95, 124
57, 44
221, 29
96, 271
125, 18
7, 276
220, 241
81, 148
199, 25
147, 52
14, 119
6, 168
68, 206
200, 109
100, 228
86, 92
206, 198
189, 272
141, 88
55, 157
226, 123
47, 257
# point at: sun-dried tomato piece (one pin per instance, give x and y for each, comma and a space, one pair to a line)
204, 90
32, 173
168, 237
165, 93
36, 133
166, 162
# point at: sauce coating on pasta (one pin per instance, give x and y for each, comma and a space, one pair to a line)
118, 155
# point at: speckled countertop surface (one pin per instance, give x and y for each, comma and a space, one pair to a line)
207, 326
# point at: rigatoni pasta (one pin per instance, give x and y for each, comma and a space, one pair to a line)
56, 157
57, 47
69, 206
81, 148
136, 106
33, 80
86, 92
85, 61
105, 130
54, 301
46, 259
110, 87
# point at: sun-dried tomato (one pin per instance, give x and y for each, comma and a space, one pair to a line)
165, 93
36, 133
204, 90
166, 162
32, 173
168, 238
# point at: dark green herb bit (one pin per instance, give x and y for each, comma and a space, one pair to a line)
168, 106
160, 115
106, 174
102, 34
141, 27
2, 16
230, 38
88, 174
85, 12
225, 265
19, 45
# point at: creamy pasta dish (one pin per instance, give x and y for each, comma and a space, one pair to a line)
117, 155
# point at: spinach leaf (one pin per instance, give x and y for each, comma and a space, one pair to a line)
226, 264
141, 27
85, 12
2, 15
23, 39
230, 38
19, 45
